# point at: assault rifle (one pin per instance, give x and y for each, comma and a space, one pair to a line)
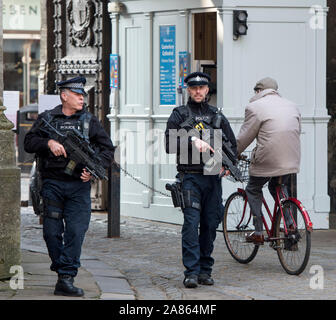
78, 150
222, 155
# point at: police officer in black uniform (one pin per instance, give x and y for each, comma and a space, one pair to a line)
202, 190
67, 202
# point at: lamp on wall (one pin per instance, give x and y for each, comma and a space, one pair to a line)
239, 23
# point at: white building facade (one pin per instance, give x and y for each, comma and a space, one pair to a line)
285, 40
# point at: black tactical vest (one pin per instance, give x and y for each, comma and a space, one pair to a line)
65, 124
205, 115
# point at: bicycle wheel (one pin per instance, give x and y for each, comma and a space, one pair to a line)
293, 250
237, 222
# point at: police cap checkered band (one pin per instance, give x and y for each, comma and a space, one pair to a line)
197, 79
74, 85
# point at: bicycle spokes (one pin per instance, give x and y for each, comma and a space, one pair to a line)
237, 223
293, 244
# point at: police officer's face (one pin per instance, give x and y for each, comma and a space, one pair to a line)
72, 100
198, 93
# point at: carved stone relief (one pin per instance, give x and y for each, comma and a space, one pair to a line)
80, 14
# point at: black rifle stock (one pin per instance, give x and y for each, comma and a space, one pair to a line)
35, 187
78, 150
223, 154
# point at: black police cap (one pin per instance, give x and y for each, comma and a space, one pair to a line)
197, 79
74, 84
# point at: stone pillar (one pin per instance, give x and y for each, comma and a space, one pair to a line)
1, 58
10, 253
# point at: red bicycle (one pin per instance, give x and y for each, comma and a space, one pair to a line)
293, 248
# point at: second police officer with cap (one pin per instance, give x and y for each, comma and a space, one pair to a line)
67, 197
204, 207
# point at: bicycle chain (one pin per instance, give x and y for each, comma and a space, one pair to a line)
142, 183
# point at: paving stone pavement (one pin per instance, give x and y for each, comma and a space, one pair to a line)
39, 281
148, 257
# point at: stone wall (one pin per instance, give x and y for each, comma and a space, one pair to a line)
9, 200
1, 58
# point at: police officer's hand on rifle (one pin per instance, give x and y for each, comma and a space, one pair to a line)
56, 148
202, 146
224, 173
86, 176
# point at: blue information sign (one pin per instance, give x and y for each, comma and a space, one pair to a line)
114, 71
183, 67
167, 66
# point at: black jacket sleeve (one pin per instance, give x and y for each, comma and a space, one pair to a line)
171, 129
100, 139
173, 135
35, 140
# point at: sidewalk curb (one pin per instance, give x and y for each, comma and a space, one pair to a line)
112, 284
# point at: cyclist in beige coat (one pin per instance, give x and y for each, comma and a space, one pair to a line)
275, 123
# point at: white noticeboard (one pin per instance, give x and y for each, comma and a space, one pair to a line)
48, 101
11, 100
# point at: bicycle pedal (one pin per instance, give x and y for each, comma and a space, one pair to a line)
274, 246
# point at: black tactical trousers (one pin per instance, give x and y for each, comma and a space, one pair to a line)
64, 235
205, 210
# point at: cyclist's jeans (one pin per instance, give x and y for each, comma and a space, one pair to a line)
198, 244
254, 196
64, 235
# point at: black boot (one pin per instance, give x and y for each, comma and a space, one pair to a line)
65, 287
205, 279
190, 281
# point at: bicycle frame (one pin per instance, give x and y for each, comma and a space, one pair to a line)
277, 205
287, 229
